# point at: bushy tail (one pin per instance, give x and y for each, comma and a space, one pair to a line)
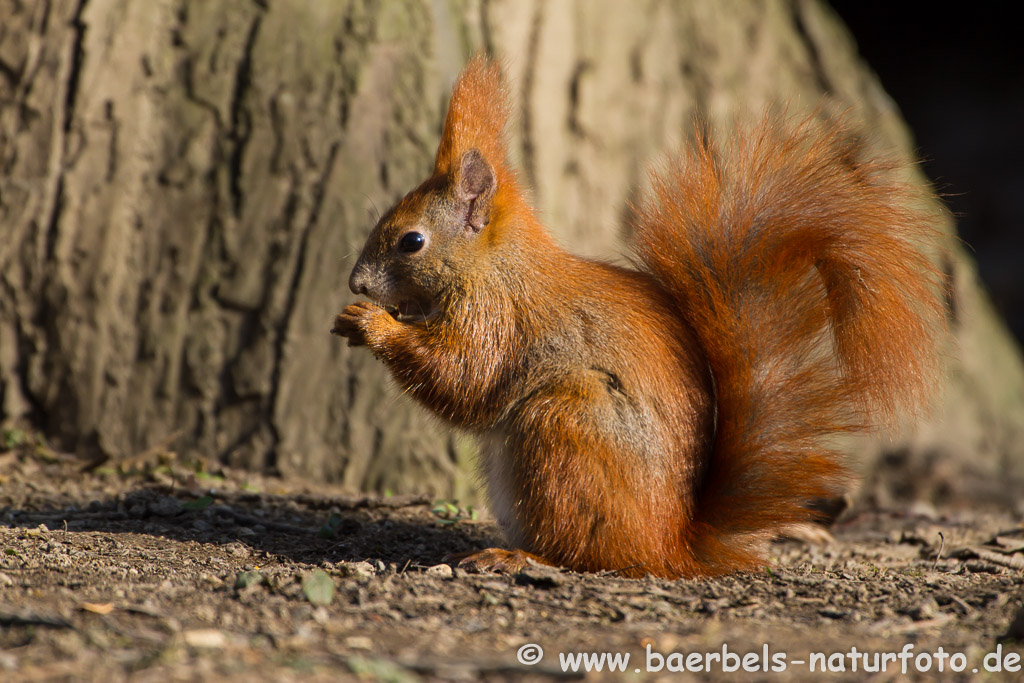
798, 264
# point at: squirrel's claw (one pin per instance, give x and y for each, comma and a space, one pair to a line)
354, 321
496, 560
346, 325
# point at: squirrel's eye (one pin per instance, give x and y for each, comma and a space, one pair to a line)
411, 241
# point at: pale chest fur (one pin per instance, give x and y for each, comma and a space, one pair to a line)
496, 469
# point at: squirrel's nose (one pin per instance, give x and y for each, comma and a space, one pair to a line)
357, 282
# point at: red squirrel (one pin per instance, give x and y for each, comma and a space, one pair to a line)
671, 417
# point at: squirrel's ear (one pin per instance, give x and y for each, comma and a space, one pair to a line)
475, 185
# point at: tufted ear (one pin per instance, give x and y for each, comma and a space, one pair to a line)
478, 114
475, 184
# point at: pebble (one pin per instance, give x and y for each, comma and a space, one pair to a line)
364, 569
8, 662
441, 570
237, 550
359, 643
205, 637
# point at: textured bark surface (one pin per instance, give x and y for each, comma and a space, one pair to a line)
184, 182
184, 185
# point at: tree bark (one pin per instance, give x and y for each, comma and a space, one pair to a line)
185, 185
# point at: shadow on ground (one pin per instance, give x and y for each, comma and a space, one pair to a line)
167, 573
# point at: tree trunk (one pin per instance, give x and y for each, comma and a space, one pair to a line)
185, 185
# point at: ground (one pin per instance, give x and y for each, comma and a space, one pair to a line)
160, 571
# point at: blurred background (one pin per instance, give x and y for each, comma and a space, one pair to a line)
958, 78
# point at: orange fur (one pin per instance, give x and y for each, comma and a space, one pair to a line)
670, 418
816, 310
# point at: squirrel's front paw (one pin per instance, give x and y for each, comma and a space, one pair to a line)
359, 322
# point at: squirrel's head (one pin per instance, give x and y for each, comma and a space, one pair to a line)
426, 249
422, 249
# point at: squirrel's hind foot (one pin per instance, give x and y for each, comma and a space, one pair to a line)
496, 560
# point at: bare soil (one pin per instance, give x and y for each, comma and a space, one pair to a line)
157, 571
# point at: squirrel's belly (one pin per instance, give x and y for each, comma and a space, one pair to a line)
496, 467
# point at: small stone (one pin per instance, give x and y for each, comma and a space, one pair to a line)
358, 643
923, 509
8, 662
363, 569
318, 587
237, 550
441, 570
209, 638
248, 578
37, 532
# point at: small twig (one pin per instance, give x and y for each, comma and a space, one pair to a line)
962, 603
942, 545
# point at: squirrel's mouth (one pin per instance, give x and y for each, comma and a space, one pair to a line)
410, 311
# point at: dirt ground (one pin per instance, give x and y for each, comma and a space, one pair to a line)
158, 571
